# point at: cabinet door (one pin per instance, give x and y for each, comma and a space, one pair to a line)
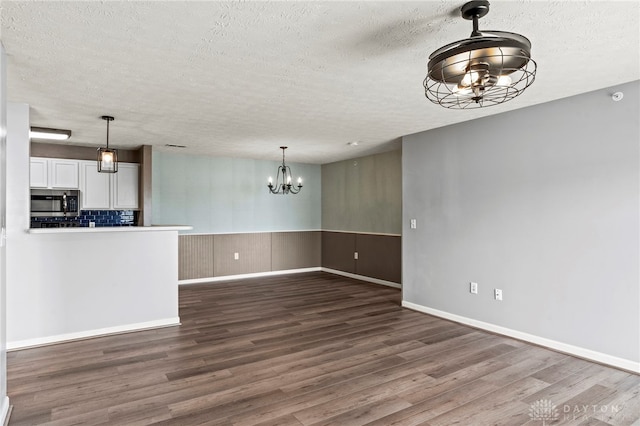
39, 173
125, 186
63, 173
94, 187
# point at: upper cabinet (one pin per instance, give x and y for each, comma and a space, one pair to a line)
39, 172
124, 186
54, 173
108, 191
95, 188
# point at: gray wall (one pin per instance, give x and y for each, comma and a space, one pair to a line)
364, 194
227, 195
542, 202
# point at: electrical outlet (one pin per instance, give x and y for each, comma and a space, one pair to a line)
355, 255
498, 294
414, 224
473, 287
236, 256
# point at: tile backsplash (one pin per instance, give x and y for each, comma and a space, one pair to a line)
101, 218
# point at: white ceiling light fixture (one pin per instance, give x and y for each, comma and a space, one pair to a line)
283, 183
107, 158
49, 134
488, 68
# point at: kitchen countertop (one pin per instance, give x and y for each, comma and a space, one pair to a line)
110, 229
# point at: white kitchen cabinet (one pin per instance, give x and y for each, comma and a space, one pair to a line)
124, 186
108, 191
95, 188
39, 173
55, 173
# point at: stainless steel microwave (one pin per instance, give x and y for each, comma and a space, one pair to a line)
55, 202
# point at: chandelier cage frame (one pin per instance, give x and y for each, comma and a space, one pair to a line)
488, 68
285, 186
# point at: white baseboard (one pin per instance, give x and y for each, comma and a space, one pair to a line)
589, 354
243, 276
4, 410
286, 272
128, 328
362, 278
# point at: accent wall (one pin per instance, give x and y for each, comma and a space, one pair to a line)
363, 194
230, 195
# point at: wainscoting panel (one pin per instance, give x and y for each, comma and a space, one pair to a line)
195, 256
295, 250
379, 256
337, 251
254, 254
212, 255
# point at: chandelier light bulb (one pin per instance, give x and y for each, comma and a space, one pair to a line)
503, 81
107, 157
470, 78
460, 91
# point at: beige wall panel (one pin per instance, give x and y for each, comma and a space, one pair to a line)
363, 194
337, 251
254, 251
195, 256
379, 256
293, 250
146, 158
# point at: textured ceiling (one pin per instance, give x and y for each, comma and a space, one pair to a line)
242, 78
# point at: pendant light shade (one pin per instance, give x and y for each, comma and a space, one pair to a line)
107, 158
488, 68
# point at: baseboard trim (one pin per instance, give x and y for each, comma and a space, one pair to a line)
362, 278
287, 272
580, 352
4, 411
88, 334
243, 276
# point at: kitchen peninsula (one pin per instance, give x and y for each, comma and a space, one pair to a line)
71, 283
82, 282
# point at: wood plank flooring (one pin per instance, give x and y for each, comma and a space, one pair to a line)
311, 349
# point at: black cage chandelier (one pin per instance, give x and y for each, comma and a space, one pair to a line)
488, 68
283, 183
107, 158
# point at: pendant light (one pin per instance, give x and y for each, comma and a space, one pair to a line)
283, 183
107, 158
488, 68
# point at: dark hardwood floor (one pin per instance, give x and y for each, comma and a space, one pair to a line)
311, 349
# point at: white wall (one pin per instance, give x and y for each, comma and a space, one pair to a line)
69, 285
227, 195
4, 400
541, 202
